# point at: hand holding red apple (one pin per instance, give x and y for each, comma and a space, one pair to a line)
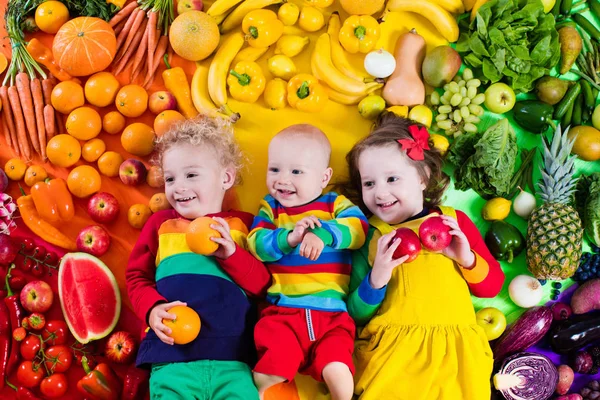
385, 263
458, 247
410, 244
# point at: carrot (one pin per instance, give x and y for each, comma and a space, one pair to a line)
47, 87
158, 55
60, 122
135, 44
152, 36
15, 105
127, 28
124, 13
49, 120
119, 27
7, 112
38, 105
24, 90
135, 28
6, 133
141, 50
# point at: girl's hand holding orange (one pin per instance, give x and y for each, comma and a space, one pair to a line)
385, 263
155, 320
459, 249
226, 244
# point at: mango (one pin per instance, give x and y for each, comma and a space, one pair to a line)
440, 66
570, 47
587, 142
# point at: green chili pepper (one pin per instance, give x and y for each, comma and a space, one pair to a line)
504, 240
533, 116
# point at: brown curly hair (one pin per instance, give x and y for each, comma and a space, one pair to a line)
203, 131
387, 130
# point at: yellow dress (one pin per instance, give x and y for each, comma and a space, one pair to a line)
424, 342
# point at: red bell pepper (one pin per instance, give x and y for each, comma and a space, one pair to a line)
15, 313
101, 383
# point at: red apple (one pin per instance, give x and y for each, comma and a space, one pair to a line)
103, 207
93, 240
410, 244
37, 296
434, 234
132, 172
3, 181
8, 249
121, 347
188, 5
161, 101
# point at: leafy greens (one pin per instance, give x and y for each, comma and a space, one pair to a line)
510, 40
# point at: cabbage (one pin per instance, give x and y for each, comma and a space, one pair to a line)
587, 199
526, 376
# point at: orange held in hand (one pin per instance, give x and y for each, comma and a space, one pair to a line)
198, 236
186, 326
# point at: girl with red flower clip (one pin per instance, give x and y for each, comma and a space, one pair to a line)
419, 338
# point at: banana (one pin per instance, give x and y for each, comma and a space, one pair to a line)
201, 99
219, 68
235, 18
440, 18
346, 99
452, 6
338, 54
249, 54
469, 4
220, 7
324, 70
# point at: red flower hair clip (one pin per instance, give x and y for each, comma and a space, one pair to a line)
414, 147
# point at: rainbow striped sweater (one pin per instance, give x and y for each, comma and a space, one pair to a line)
298, 282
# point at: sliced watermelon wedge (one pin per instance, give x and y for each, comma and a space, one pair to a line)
89, 296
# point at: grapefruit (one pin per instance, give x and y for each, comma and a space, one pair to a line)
194, 35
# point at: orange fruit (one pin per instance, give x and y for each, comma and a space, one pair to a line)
165, 120
67, 96
132, 100
159, 202
15, 169
35, 174
109, 163
113, 122
154, 177
84, 181
63, 150
93, 149
236, 224
198, 236
101, 89
138, 214
194, 35
138, 139
186, 326
84, 123
3, 62
50, 16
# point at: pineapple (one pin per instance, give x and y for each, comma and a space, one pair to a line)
554, 231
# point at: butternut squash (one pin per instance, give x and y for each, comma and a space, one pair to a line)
405, 86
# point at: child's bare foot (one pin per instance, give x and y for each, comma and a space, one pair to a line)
339, 380
264, 381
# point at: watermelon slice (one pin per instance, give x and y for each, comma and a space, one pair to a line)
89, 296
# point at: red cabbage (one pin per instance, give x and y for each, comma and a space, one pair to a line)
526, 376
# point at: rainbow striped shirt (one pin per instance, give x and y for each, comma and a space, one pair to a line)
298, 282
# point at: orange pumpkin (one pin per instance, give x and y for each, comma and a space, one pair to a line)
84, 46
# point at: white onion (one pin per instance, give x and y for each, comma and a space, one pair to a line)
380, 63
524, 204
525, 291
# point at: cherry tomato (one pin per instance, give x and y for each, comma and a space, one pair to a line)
59, 358
36, 321
30, 374
30, 347
38, 270
55, 332
54, 386
51, 259
28, 245
39, 252
27, 264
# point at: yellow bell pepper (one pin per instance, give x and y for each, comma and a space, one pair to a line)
305, 93
118, 3
359, 33
246, 81
262, 28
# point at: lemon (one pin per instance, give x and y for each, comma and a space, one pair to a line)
401, 111
421, 114
281, 67
291, 45
497, 208
371, 106
439, 142
288, 13
311, 19
548, 5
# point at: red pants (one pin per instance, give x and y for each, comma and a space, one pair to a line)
291, 340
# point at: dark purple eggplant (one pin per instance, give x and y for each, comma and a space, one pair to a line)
575, 333
526, 331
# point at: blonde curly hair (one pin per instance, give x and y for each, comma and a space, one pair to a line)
203, 131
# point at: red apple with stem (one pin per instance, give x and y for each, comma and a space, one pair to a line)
103, 207
93, 240
434, 234
410, 244
132, 172
120, 347
161, 101
37, 296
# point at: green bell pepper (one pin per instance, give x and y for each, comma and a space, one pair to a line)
504, 241
533, 116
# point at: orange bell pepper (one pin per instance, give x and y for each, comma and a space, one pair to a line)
53, 200
44, 56
101, 383
41, 228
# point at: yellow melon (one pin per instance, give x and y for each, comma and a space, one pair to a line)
194, 35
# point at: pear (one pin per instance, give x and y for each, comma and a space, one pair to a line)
440, 65
551, 90
570, 47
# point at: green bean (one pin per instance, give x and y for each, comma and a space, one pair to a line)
565, 7
587, 26
556, 9
566, 119
588, 97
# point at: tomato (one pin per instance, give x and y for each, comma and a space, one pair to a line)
55, 332
30, 374
30, 347
59, 358
54, 386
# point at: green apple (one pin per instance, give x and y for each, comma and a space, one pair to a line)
596, 117
500, 98
492, 321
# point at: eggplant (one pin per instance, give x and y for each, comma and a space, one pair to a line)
575, 333
526, 376
526, 331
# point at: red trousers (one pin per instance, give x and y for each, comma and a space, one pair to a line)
291, 340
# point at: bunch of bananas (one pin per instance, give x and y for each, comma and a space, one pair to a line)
230, 13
